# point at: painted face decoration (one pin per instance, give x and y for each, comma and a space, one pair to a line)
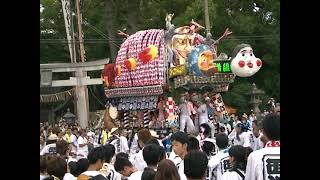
244, 63
201, 61
182, 45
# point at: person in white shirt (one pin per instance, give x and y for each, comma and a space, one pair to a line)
179, 145
195, 165
137, 160
83, 144
238, 164
96, 159
50, 148
74, 140
265, 162
239, 136
255, 137
72, 171
185, 109
108, 168
125, 167
219, 163
202, 112
204, 134
133, 144
91, 139
120, 142
174, 158
225, 123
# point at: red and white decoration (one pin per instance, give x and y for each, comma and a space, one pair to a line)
145, 74
170, 109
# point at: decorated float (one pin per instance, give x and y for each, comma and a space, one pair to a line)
152, 64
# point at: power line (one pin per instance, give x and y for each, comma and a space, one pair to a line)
101, 33
104, 41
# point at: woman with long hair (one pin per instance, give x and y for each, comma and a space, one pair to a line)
167, 170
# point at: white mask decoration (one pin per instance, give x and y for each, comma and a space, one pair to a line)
244, 63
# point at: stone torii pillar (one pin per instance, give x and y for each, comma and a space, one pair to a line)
80, 82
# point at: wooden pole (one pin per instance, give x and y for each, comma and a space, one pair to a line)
82, 90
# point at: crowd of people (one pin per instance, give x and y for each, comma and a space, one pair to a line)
236, 150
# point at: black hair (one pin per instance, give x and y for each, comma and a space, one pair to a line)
222, 140
271, 126
109, 151
208, 148
222, 129
207, 129
96, 154
248, 150
131, 138
83, 165
122, 155
238, 152
242, 129
153, 141
62, 147
43, 163
74, 168
148, 174
152, 154
181, 137
193, 143
195, 164
57, 166
120, 163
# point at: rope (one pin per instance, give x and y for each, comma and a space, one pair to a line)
96, 97
61, 96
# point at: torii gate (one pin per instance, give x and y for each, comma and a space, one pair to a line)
80, 82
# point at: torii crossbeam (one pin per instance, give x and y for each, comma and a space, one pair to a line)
80, 82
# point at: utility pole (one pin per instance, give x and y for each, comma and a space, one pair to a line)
82, 90
206, 14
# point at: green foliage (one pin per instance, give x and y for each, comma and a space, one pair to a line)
256, 22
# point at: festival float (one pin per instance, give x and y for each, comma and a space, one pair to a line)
152, 64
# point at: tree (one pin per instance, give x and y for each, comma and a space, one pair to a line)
255, 22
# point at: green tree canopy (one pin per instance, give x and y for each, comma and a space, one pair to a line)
256, 22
